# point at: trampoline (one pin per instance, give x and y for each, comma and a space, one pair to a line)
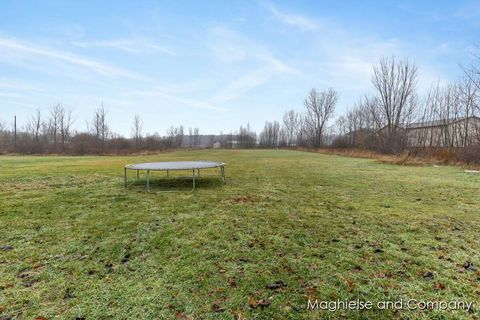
174, 165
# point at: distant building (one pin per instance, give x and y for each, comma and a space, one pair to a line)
444, 132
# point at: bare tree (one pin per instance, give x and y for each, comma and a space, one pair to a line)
356, 129
291, 123
473, 72
65, 124
4, 136
393, 106
179, 136
247, 138
137, 128
446, 119
196, 137
99, 126
395, 84
34, 126
45, 132
175, 136
193, 137
470, 101
190, 137
54, 123
269, 137
320, 108
304, 132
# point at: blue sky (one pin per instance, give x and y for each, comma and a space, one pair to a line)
216, 64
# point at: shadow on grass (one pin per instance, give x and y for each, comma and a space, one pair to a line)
180, 184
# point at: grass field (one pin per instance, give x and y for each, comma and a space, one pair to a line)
287, 226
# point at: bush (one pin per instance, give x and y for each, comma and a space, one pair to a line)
470, 154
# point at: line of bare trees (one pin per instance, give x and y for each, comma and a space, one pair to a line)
392, 119
378, 120
308, 129
395, 119
52, 133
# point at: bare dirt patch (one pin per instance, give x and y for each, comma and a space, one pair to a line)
244, 199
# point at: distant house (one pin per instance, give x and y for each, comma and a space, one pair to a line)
444, 132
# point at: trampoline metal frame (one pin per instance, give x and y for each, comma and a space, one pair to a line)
220, 165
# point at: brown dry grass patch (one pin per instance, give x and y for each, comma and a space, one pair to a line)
423, 157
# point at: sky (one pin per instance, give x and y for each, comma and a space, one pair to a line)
216, 64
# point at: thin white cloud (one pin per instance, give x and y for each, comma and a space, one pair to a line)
257, 63
11, 95
228, 52
12, 50
276, 64
351, 59
468, 11
127, 45
249, 81
16, 85
291, 19
346, 58
23, 105
242, 85
176, 98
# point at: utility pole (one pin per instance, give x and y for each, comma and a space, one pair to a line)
15, 131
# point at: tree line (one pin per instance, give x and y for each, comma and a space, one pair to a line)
392, 118
395, 118
52, 133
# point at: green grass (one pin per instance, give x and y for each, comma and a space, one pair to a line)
328, 227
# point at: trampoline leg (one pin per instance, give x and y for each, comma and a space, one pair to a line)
167, 173
222, 170
138, 175
148, 180
125, 169
198, 173
193, 176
